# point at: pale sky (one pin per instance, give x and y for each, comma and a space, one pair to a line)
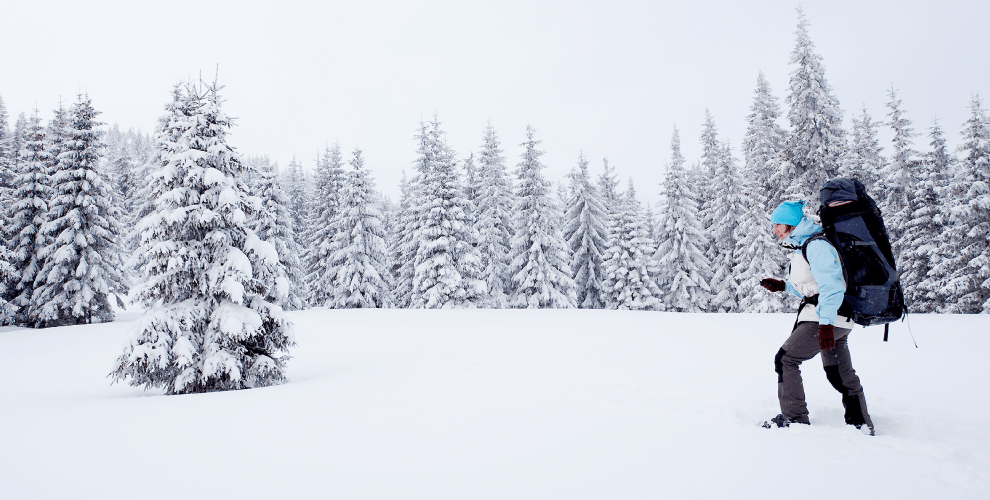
609, 78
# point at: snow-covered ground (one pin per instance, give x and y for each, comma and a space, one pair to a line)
399, 404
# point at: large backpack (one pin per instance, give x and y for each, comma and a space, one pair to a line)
852, 223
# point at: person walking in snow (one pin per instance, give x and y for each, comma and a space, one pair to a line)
817, 280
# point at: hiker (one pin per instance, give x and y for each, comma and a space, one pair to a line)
816, 279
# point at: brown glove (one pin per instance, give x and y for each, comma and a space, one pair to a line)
774, 285
826, 337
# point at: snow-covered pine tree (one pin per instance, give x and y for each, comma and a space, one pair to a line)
727, 210
711, 155
863, 160
360, 263
207, 326
897, 180
82, 230
294, 180
411, 222
494, 217
324, 207
471, 179
763, 145
683, 271
817, 141
32, 192
586, 233
273, 224
626, 281
540, 262
758, 258
447, 267
927, 226
608, 185
6, 153
967, 252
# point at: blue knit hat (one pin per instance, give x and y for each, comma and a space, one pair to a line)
789, 212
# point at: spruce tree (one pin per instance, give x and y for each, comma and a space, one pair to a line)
494, 217
207, 325
32, 192
682, 270
7, 154
540, 262
863, 160
897, 180
817, 141
608, 185
326, 202
726, 212
273, 223
447, 269
927, 227
763, 146
411, 221
626, 280
360, 263
294, 180
586, 233
969, 281
82, 230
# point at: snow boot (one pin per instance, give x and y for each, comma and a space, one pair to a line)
781, 421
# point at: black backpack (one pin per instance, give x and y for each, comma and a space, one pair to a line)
852, 223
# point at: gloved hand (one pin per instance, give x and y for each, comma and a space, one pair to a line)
774, 285
826, 337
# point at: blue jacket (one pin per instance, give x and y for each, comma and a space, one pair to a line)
825, 269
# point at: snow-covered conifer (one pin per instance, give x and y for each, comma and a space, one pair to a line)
727, 209
273, 223
540, 262
763, 145
324, 208
7, 153
32, 192
359, 262
82, 232
586, 233
967, 248
817, 141
494, 217
447, 269
681, 267
898, 178
927, 227
608, 185
626, 280
294, 180
863, 160
206, 326
411, 221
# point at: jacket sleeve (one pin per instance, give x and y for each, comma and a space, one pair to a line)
827, 271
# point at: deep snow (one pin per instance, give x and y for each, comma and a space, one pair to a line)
410, 404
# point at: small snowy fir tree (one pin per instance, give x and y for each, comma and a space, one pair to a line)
727, 210
682, 270
586, 233
927, 226
7, 153
817, 141
711, 155
627, 282
540, 262
447, 270
758, 259
273, 224
863, 160
411, 221
324, 209
608, 186
494, 219
207, 325
82, 257
763, 145
359, 262
32, 191
897, 179
294, 180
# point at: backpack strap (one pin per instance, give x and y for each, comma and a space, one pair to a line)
817, 236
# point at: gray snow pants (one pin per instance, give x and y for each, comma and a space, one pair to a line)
801, 346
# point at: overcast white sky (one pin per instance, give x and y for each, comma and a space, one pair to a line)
610, 78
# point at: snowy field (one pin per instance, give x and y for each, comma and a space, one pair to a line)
413, 404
